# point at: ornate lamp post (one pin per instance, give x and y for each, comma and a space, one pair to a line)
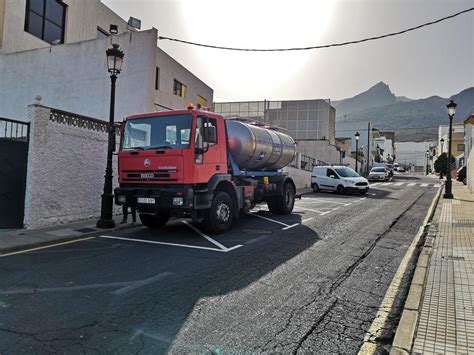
451, 111
427, 161
114, 64
357, 135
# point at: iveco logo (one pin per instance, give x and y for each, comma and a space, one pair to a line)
147, 163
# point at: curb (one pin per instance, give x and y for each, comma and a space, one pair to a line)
403, 340
60, 240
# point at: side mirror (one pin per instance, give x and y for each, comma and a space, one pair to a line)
332, 176
210, 134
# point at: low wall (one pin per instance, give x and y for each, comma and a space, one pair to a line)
66, 167
302, 178
470, 171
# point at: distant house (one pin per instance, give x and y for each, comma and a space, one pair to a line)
468, 150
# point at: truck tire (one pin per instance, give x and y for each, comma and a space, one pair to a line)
154, 221
272, 205
285, 202
219, 217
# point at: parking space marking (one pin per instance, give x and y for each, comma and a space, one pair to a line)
216, 243
388, 183
411, 184
226, 250
307, 220
437, 185
375, 184
424, 185
398, 184
328, 201
310, 209
286, 226
361, 199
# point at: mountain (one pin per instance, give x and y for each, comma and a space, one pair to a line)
416, 120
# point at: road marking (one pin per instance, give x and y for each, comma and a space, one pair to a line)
307, 220
437, 185
308, 209
424, 185
171, 244
125, 286
411, 184
388, 183
375, 184
47, 246
377, 327
137, 284
274, 221
328, 201
216, 243
398, 183
361, 199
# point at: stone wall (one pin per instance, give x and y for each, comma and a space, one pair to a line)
302, 178
66, 167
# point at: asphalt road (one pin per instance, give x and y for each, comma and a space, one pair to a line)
309, 282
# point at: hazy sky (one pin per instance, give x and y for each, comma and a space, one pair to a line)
437, 60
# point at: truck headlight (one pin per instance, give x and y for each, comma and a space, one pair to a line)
177, 201
121, 199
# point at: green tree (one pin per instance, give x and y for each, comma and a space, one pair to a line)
440, 163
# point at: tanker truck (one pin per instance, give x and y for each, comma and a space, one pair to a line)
195, 164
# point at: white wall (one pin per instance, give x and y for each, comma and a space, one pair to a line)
320, 150
302, 178
74, 77
65, 176
170, 70
82, 19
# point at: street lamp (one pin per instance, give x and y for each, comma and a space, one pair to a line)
357, 135
427, 157
114, 65
451, 111
441, 171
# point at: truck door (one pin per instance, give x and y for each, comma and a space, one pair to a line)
207, 153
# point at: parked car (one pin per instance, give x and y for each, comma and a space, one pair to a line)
379, 174
461, 175
338, 178
401, 169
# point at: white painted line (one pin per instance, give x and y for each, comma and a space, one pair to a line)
140, 283
308, 209
162, 243
361, 199
424, 185
289, 227
411, 184
216, 243
307, 220
398, 184
388, 183
268, 219
328, 201
375, 184
437, 185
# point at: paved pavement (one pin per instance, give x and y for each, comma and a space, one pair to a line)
443, 317
309, 282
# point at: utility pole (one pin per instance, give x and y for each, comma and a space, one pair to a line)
369, 133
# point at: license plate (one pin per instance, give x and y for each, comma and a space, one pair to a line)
150, 200
147, 176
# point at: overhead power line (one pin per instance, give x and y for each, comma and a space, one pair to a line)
321, 46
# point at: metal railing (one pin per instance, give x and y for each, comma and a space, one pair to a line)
14, 130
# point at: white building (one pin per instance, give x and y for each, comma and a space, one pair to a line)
56, 49
413, 154
469, 150
385, 147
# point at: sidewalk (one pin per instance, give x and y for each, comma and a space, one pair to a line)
439, 312
13, 240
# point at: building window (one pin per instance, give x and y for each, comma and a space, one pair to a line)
460, 147
179, 88
45, 19
102, 33
157, 79
201, 101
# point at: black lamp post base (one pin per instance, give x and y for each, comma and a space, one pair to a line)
448, 195
105, 223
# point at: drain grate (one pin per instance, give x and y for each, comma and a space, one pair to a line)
85, 230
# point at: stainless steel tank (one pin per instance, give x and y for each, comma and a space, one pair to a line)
257, 148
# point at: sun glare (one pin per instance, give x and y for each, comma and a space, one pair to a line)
256, 24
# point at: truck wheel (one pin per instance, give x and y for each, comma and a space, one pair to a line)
286, 202
219, 217
154, 221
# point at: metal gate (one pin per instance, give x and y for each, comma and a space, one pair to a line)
14, 137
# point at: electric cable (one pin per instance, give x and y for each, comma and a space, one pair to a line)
392, 34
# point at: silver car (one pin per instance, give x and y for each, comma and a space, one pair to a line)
379, 174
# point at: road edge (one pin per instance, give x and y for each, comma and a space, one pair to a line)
406, 327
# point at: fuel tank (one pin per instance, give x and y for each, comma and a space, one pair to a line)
257, 148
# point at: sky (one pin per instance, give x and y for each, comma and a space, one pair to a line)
435, 60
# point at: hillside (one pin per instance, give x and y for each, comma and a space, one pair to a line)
416, 120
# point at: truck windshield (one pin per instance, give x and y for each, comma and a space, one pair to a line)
162, 132
346, 172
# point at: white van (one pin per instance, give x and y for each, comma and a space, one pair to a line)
338, 178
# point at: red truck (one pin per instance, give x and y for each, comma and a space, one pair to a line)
195, 164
